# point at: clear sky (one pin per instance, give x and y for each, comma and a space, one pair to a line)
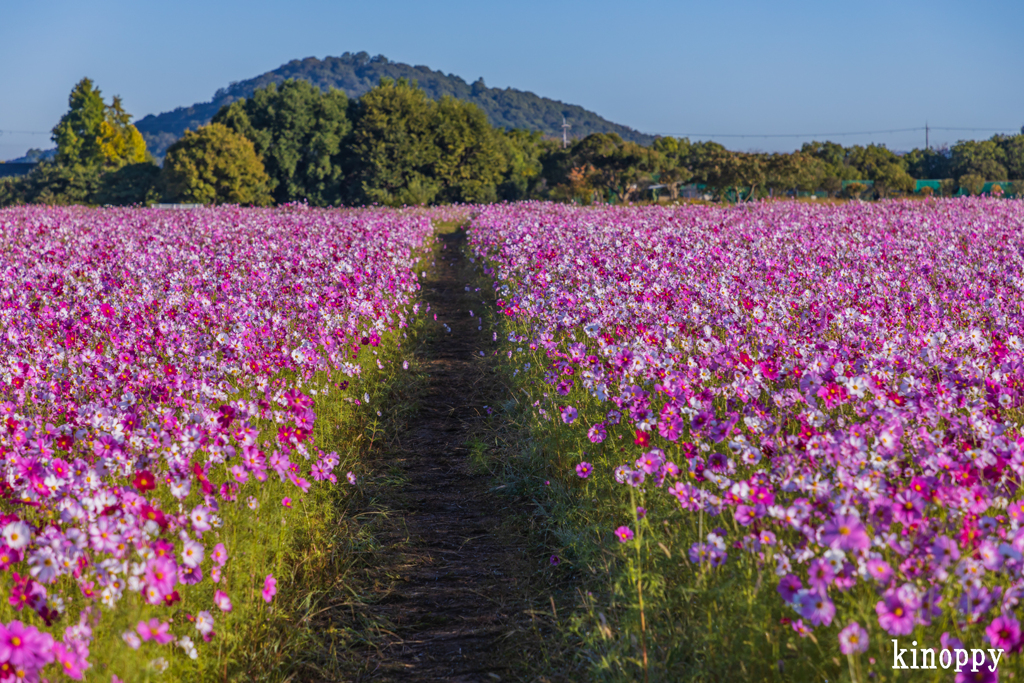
698, 68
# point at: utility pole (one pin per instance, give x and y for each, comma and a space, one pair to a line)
926, 147
565, 133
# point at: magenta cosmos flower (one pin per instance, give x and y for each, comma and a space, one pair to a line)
155, 630
24, 646
895, 615
269, 588
624, 534
1004, 632
584, 469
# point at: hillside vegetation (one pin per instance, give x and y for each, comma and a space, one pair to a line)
356, 74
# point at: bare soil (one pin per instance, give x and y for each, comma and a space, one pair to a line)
449, 584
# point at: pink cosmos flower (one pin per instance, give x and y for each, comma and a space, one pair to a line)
853, 640
651, 461
192, 553
156, 630
221, 599
584, 469
161, 575
24, 646
269, 588
895, 616
219, 555
200, 518
624, 534
820, 575
879, 570
1004, 632
204, 622
907, 507
70, 663
131, 639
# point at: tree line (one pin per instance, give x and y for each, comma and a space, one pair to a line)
396, 146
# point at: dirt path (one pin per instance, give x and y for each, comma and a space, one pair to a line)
448, 580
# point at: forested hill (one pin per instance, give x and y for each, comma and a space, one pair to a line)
357, 73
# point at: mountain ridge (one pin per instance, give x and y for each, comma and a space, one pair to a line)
357, 73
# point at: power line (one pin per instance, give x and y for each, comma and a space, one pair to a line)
832, 135
25, 132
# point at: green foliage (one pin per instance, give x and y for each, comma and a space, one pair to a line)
797, 171
1012, 147
399, 146
832, 185
471, 161
607, 166
393, 146
523, 151
929, 163
892, 178
96, 135
129, 185
972, 183
50, 183
214, 165
983, 158
298, 131
407, 149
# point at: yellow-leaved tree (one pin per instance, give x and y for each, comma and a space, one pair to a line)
215, 165
97, 135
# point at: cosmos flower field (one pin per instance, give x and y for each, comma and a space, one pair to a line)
773, 438
810, 414
160, 378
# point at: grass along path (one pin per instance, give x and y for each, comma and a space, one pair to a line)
448, 593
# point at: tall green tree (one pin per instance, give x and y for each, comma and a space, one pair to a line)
215, 165
523, 151
982, 158
798, 171
299, 132
1013, 154
97, 135
836, 165
393, 149
470, 160
929, 163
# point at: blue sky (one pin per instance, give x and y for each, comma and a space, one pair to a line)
743, 67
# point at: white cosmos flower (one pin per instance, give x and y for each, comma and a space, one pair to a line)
17, 535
